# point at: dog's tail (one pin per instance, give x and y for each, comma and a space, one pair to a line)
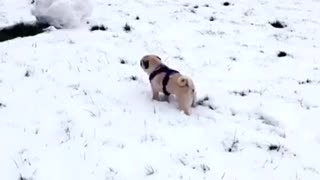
186, 82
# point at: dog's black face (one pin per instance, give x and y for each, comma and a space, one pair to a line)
144, 64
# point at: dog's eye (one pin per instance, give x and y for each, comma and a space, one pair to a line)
145, 64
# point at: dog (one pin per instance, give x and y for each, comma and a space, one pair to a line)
169, 81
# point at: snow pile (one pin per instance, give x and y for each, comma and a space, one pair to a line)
62, 13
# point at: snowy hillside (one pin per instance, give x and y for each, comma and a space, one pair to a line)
75, 104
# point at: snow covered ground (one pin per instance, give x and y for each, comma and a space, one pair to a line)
74, 104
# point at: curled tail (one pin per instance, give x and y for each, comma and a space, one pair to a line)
184, 81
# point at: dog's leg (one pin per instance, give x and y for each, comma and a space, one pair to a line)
186, 109
184, 105
194, 98
155, 94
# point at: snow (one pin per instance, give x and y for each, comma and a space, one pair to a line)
62, 13
79, 115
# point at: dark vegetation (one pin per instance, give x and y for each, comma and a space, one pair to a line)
22, 30
98, 28
278, 24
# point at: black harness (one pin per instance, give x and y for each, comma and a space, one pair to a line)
168, 71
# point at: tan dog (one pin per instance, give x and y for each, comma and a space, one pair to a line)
169, 81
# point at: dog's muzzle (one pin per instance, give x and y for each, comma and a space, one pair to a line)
144, 64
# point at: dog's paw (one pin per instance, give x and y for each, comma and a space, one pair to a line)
155, 98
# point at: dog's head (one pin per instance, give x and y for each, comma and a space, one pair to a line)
149, 63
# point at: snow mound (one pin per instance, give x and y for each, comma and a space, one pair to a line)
62, 13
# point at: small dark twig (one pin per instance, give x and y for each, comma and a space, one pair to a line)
282, 54
22, 178
226, 3
149, 170
133, 78
278, 24
122, 61
234, 144
127, 27
27, 74
97, 27
2, 105
204, 168
203, 102
273, 147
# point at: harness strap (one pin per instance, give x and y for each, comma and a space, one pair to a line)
161, 69
166, 78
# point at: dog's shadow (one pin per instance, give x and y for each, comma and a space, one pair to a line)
168, 99
203, 101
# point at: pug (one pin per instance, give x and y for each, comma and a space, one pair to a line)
169, 81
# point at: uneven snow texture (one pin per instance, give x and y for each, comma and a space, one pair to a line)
76, 105
62, 13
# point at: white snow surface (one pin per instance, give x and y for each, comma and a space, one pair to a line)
70, 110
